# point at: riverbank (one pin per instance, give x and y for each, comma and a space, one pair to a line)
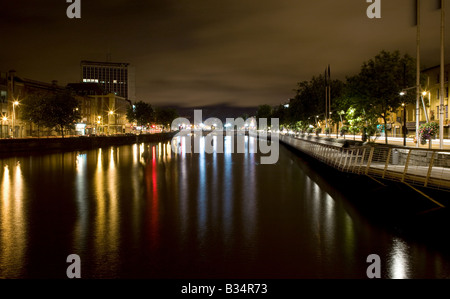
30, 145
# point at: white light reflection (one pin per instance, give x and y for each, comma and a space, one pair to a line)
81, 187
228, 196
249, 203
202, 203
398, 260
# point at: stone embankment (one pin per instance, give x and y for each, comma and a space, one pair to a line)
13, 146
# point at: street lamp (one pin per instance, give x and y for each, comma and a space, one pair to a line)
404, 124
15, 103
98, 123
110, 113
4, 119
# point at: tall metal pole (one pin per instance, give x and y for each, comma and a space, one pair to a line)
404, 124
441, 105
326, 98
14, 120
418, 74
329, 93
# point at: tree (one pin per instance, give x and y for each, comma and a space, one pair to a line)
61, 111
264, 112
376, 89
309, 100
165, 116
355, 121
34, 109
142, 113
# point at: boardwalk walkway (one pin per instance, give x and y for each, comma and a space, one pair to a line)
417, 166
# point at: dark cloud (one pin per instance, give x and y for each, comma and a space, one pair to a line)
201, 52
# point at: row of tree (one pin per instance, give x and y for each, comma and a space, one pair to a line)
144, 114
60, 110
359, 102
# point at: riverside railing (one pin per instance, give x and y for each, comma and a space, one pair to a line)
420, 167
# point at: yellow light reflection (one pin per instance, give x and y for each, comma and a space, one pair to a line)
135, 153
100, 217
12, 223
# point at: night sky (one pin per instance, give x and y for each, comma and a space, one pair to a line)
202, 52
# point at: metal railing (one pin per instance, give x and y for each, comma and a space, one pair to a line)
420, 167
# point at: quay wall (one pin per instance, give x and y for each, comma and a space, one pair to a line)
11, 146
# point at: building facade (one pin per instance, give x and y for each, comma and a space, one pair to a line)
429, 106
13, 90
113, 77
102, 112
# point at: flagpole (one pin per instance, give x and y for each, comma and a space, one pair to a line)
441, 106
418, 74
326, 98
329, 92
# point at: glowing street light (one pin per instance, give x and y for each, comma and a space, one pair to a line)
4, 119
15, 103
110, 113
404, 124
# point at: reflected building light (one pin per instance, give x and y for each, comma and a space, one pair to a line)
214, 141
80, 228
183, 146
135, 153
202, 147
99, 231
6, 185
99, 160
18, 184
202, 189
169, 150
228, 145
164, 151
228, 195
111, 159
329, 206
141, 153
113, 221
398, 260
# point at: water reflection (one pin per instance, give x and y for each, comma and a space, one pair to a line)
82, 188
146, 211
398, 262
12, 222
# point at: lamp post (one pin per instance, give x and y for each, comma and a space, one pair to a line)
110, 113
4, 119
15, 103
98, 124
404, 124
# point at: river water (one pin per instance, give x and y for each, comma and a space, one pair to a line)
145, 211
